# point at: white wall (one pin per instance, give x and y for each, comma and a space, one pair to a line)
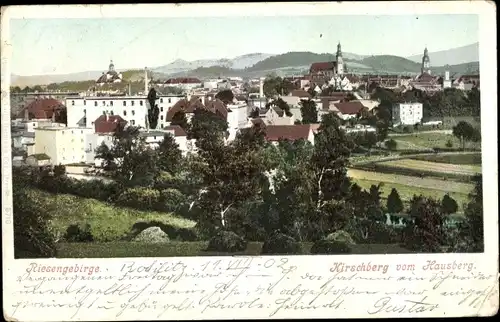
407, 113
62, 145
133, 109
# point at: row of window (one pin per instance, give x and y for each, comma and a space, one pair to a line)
132, 103
111, 112
141, 103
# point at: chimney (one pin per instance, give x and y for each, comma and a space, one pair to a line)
261, 89
129, 90
146, 85
447, 75
26, 114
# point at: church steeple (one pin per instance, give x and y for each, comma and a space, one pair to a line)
340, 60
111, 66
426, 62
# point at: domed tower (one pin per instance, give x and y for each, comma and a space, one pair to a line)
426, 62
111, 66
340, 60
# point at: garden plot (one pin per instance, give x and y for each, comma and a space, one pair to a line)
461, 169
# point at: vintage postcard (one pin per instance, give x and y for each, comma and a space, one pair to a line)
257, 160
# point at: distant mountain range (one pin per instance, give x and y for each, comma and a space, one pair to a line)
460, 60
455, 56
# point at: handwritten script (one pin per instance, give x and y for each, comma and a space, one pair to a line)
270, 287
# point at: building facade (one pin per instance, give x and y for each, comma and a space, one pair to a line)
407, 113
63, 145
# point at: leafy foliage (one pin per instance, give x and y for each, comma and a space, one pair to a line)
280, 244
394, 202
448, 205
226, 241
309, 112
153, 111
330, 247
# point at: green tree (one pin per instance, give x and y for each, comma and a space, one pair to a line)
180, 119
394, 203
169, 155
464, 132
129, 160
153, 110
391, 144
15, 89
225, 96
33, 237
473, 228
309, 112
231, 174
282, 105
332, 149
426, 231
273, 86
448, 205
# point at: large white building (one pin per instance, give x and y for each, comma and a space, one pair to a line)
83, 111
64, 145
407, 113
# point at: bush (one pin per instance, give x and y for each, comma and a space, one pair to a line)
281, 244
341, 236
330, 247
407, 129
449, 144
391, 144
140, 198
227, 241
78, 233
172, 199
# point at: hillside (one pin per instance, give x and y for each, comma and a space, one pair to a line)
454, 56
389, 63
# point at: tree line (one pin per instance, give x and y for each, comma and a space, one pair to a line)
252, 190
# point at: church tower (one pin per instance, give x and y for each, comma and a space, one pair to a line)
340, 60
426, 62
111, 66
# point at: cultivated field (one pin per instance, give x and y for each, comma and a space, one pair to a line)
455, 158
406, 192
462, 169
430, 140
415, 182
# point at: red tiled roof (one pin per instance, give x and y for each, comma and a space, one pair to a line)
103, 125
316, 67
349, 108
217, 106
287, 132
300, 93
183, 80
43, 108
178, 131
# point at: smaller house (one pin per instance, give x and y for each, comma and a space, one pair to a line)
349, 110
38, 160
108, 123
275, 133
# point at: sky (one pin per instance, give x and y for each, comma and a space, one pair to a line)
63, 46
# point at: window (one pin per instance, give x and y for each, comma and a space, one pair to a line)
154, 137
141, 103
103, 103
161, 100
103, 112
72, 102
84, 111
112, 113
34, 124
124, 103
111, 103
132, 122
84, 102
161, 109
162, 126
81, 140
71, 131
161, 117
170, 100
82, 133
132, 102
133, 112
95, 103
124, 113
